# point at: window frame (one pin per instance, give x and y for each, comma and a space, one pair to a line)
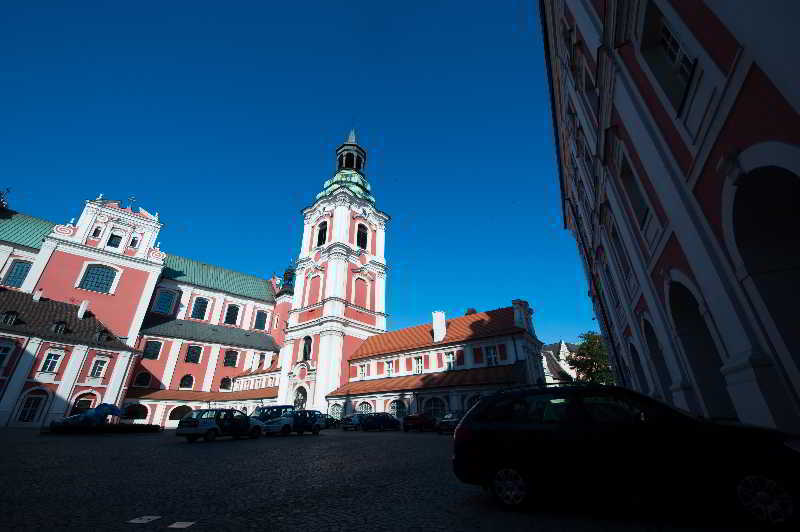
449, 360
388, 368
115, 233
320, 235
136, 379
416, 368
266, 320
225, 359
11, 346
194, 306
490, 354
15, 262
180, 382
106, 363
230, 384
238, 314
362, 371
359, 225
199, 355
114, 283
175, 299
160, 346
131, 240
61, 355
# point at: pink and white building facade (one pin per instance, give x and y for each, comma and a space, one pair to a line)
678, 143
181, 334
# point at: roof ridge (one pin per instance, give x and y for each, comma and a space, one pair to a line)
430, 323
217, 266
26, 215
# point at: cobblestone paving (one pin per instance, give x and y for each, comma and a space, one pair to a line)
336, 481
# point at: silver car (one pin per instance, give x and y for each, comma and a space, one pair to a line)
280, 425
211, 423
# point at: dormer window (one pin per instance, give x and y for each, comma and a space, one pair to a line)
322, 233
59, 327
101, 336
361, 238
9, 318
96, 232
114, 241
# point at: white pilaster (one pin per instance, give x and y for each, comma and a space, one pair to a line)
60, 404
141, 308
341, 224
380, 239
211, 368
10, 394
122, 368
328, 367
172, 361
39, 263
286, 365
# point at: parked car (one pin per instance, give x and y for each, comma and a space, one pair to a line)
380, 421
214, 422
353, 421
307, 421
283, 424
329, 421
448, 422
649, 450
267, 413
420, 422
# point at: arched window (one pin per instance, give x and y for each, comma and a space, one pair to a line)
187, 381
365, 408
136, 411
231, 358
16, 273
349, 160
322, 233
142, 380
225, 384
164, 302
300, 398
199, 308
336, 411
341, 161
435, 407
307, 348
232, 315
98, 278
82, 404
398, 409
179, 412
31, 406
358, 162
361, 237
193, 353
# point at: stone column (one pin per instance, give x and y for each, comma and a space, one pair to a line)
17, 380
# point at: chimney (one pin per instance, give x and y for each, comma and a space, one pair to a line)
439, 327
83, 308
37, 295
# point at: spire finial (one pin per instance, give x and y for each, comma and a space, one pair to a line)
351, 138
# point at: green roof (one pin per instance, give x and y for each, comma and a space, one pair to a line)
198, 273
350, 180
22, 229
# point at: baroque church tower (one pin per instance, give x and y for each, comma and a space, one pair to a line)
339, 293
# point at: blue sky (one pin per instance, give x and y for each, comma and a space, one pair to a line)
224, 117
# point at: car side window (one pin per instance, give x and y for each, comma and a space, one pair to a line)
607, 409
546, 409
239, 416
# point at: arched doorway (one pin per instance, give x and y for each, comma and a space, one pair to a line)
336, 411
300, 397
83, 403
398, 409
701, 351
365, 408
176, 414
640, 376
135, 412
657, 356
32, 406
766, 219
435, 407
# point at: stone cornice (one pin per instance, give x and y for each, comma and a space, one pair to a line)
298, 331
347, 303
125, 259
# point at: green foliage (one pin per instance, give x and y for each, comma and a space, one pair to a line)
590, 361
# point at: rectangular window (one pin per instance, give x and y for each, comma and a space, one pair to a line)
98, 367
5, 353
389, 368
199, 308
491, 356
114, 241
98, 278
17, 273
164, 302
362, 370
261, 320
193, 353
417, 365
51, 362
231, 315
151, 350
634, 193
230, 358
449, 360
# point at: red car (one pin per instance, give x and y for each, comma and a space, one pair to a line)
419, 422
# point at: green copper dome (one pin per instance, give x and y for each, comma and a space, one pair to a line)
350, 180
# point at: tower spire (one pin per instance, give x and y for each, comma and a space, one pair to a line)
351, 138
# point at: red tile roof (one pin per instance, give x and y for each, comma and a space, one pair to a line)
505, 374
191, 395
469, 327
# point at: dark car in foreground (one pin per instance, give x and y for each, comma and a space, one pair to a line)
448, 422
650, 450
420, 422
353, 421
328, 421
380, 421
307, 421
214, 422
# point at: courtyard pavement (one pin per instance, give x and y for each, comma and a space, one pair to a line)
345, 481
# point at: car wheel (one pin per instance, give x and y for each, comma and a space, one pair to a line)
315, 431
255, 433
211, 435
285, 430
192, 439
766, 499
509, 487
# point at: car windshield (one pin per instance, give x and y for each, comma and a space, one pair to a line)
200, 414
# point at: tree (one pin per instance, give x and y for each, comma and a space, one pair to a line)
590, 361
